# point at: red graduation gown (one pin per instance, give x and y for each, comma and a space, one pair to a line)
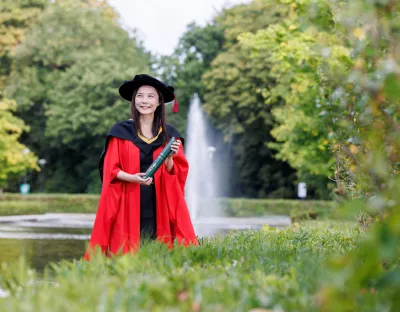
117, 224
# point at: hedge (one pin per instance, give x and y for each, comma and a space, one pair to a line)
17, 204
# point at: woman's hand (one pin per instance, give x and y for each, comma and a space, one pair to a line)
134, 178
175, 148
169, 163
137, 178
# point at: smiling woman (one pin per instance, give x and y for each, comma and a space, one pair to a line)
133, 208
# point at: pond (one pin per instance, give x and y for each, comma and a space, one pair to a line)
39, 246
54, 237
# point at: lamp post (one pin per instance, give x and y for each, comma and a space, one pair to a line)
42, 162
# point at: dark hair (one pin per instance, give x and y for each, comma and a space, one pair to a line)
159, 117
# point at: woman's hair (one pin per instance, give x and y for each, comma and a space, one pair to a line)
159, 117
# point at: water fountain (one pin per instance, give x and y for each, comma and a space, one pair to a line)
203, 184
206, 180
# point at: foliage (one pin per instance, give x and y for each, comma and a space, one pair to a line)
236, 106
368, 158
296, 209
66, 85
197, 47
368, 138
305, 62
373, 268
17, 204
273, 269
198, 52
13, 159
15, 17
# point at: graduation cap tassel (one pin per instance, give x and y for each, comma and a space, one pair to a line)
175, 107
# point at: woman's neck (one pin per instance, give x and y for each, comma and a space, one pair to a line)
146, 124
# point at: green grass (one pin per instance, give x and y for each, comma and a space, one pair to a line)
271, 269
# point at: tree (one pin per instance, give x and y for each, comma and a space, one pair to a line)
196, 49
16, 17
65, 80
198, 52
13, 158
304, 63
234, 101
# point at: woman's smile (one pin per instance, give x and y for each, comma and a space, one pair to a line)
146, 100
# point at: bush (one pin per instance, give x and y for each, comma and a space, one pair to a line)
296, 209
16, 204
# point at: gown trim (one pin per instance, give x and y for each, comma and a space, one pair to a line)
149, 141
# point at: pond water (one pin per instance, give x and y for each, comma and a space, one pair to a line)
39, 246
54, 237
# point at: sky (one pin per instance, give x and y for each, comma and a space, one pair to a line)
160, 23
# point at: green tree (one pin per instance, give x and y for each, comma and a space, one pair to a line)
66, 85
235, 102
197, 47
16, 16
13, 158
306, 63
15, 19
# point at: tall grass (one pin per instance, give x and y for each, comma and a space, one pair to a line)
271, 269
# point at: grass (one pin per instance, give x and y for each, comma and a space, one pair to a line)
281, 270
272, 269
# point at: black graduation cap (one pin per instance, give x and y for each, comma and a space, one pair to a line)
129, 86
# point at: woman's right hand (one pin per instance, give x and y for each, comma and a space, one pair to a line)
137, 178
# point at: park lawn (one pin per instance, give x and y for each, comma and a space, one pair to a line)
280, 270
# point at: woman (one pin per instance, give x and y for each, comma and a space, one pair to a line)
132, 208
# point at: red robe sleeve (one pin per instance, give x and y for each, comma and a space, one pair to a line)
174, 188
109, 199
180, 169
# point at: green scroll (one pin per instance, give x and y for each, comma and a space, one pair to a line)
159, 160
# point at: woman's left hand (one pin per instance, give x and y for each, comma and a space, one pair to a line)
175, 148
174, 151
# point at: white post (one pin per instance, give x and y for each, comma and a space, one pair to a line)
302, 190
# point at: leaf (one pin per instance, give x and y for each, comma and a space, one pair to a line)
391, 87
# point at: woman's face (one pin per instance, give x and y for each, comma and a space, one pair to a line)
146, 100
